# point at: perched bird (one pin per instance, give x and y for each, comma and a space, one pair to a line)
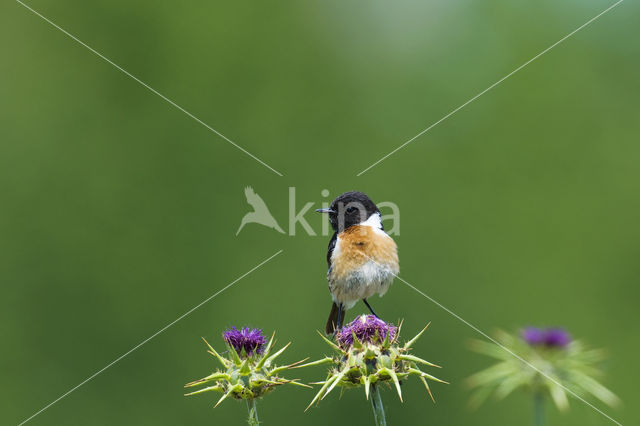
362, 258
260, 213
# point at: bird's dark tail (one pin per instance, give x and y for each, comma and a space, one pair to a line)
336, 319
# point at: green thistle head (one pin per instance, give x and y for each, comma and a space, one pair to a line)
368, 353
249, 372
566, 363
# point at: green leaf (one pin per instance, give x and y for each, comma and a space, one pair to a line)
493, 374
558, 395
397, 335
234, 355
325, 360
321, 391
267, 349
245, 368
508, 385
386, 343
295, 382
412, 341
369, 353
330, 343
479, 396
396, 382
339, 377
286, 367
428, 376
367, 385
224, 397
508, 340
489, 349
276, 355
426, 385
216, 388
596, 389
408, 357
267, 352
210, 378
356, 342
223, 361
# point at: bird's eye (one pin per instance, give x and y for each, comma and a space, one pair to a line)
351, 209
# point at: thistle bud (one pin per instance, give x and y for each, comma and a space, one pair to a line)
367, 354
249, 372
555, 365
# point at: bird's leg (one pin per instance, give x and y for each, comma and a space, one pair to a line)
339, 319
370, 308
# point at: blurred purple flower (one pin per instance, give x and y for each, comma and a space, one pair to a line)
533, 335
551, 337
367, 328
557, 337
251, 340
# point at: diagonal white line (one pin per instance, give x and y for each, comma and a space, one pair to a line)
149, 338
476, 329
492, 86
119, 68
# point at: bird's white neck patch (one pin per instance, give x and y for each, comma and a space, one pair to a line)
374, 221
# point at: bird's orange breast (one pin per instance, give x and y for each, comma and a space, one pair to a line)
358, 245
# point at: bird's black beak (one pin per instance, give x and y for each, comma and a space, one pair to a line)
325, 211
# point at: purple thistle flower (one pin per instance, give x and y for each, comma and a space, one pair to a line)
251, 340
550, 337
533, 335
367, 328
557, 337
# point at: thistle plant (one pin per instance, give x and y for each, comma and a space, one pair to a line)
566, 364
368, 354
249, 372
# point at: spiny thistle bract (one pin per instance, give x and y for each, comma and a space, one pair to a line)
568, 362
368, 353
250, 371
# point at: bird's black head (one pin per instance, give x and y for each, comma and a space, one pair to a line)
350, 208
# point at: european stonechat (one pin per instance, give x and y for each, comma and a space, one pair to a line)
362, 258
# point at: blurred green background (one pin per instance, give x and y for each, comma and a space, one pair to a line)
119, 212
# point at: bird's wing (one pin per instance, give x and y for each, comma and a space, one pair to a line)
332, 245
254, 199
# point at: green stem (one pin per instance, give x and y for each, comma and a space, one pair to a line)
538, 409
376, 404
253, 412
